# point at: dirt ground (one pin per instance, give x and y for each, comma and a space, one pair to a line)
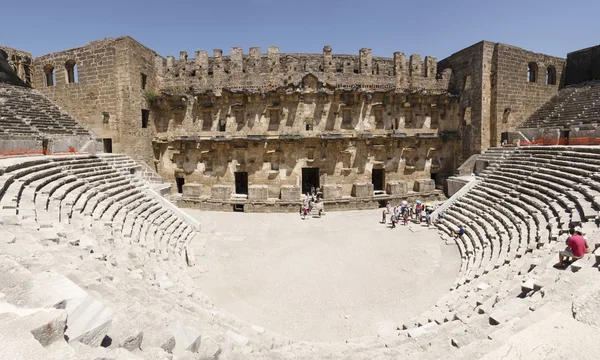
341, 276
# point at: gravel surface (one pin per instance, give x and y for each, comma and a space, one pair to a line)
342, 276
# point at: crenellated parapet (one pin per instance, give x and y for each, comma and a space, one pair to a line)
260, 72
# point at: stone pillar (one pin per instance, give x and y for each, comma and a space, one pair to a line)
328, 64
366, 61
183, 55
218, 70
254, 62
430, 67
171, 65
201, 64
431, 71
415, 71
273, 56
400, 69
236, 63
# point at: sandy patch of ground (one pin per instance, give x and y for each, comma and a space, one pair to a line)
341, 276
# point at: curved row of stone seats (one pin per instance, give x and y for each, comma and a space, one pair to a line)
27, 112
68, 208
493, 158
573, 105
514, 213
508, 301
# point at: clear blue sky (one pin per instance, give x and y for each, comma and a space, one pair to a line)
435, 28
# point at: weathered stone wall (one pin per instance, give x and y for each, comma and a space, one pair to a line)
21, 62
516, 98
495, 94
276, 163
583, 65
106, 95
256, 71
308, 114
95, 91
133, 60
467, 80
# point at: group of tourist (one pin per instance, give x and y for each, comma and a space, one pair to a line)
312, 200
405, 212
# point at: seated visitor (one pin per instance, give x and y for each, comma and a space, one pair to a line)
576, 248
461, 231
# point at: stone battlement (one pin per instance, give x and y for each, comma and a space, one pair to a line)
258, 71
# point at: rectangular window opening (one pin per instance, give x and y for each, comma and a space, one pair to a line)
144, 79
145, 117
107, 145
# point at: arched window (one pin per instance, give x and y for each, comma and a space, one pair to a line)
49, 72
532, 70
551, 75
71, 67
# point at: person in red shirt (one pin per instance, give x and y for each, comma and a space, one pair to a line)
576, 248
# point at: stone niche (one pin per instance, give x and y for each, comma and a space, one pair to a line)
192, 190
396, 188
221, 192
258, 192
424, 185
332, 191
362, 190
290, 192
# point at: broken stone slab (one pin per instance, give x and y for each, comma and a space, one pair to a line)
419, 331
46, 325
507, 311
183, 339
210, 349
89, 322
132, 342
237, 338
163, 281
528, 285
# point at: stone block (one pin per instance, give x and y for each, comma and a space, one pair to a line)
290, 192
192, 190
237, 338
258, 192
89, 322
362, 190
396, 188
332, 191
184, 339
221, 192
424, 185
46, 325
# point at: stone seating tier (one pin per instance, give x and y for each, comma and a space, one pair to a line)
122, 257
573, 105
26, 112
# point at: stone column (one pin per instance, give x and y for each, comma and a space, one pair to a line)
400, 69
